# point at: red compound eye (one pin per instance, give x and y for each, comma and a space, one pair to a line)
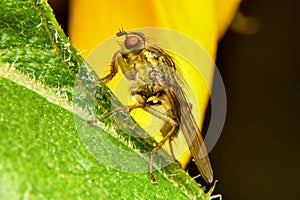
131, 42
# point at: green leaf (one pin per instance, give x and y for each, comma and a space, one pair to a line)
42, 154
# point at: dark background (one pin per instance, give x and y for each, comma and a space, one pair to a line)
257, 156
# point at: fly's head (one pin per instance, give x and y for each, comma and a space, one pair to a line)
133, 41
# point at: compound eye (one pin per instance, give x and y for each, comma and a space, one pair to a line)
131, 42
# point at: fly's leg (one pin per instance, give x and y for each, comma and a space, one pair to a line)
162, 116
217, 196
169, 129
114, 66
172, 152
129, 108
117, 61
156, 148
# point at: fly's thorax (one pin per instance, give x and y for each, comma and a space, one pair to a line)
130, 61
148, 73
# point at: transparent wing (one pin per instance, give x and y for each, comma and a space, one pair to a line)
188, 125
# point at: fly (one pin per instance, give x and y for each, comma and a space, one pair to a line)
154, 80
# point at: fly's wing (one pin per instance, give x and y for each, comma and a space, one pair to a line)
178, 101
191, 133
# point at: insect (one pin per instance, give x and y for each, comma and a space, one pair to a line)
154, 81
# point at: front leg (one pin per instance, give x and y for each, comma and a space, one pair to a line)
114, 66
118, 109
